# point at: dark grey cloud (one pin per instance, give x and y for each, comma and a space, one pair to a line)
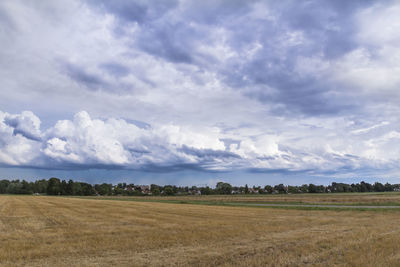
140, 124
107, 77
329, 24
169, 41
8, 25
83, 77
26, 134
115, 69
277, 171
324, 29
135, 11
170, 168
216, 12
26, 125
208, 154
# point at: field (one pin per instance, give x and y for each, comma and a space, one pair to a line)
361, 199
59, 231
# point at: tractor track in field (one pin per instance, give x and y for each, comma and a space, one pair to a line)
318, 206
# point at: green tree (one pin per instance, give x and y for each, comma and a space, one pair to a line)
155, 189
63, 187
312, 188
14, 187
388, 187
206, 190
378, 187
304, 188
40, 186
76, 189
280, 188
365, 187
54, 186
223, 188
104, 189
87, 189
293, 189
268, 189
118, 191
26, 188
3, 186
168, 190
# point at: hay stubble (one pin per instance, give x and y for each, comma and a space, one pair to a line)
50, 231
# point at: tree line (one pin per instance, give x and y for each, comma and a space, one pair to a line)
55, 186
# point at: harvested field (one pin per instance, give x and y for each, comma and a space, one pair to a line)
386, 198
55, 231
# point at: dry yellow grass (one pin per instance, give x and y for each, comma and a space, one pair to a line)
324, 198
54, 231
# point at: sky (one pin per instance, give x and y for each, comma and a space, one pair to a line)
195, 92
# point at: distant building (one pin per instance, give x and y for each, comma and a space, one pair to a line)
145, 189
253, 191
194, 192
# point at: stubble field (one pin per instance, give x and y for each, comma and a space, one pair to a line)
379, 199
56, 231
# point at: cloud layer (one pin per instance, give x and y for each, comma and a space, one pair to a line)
84, 142
309, 86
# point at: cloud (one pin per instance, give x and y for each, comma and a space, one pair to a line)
299, 59
115, 69
87, 143
135, 11
115, 142
254, 47
19, 139
82, 76
25, 124
365, 130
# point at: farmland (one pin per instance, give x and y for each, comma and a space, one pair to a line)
60, 231
384, 199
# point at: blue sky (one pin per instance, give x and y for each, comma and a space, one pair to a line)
193, 92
